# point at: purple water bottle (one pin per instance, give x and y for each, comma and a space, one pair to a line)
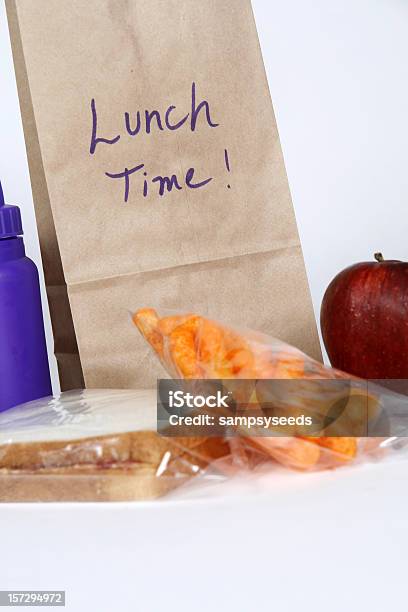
24, 370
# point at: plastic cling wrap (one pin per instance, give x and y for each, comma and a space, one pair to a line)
107, 445
355, 419
95, 446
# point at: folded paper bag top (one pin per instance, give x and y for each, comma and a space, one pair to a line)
163, 171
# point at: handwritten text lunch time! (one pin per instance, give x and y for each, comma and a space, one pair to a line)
148, 122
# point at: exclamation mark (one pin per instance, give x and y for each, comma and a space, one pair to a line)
227, 164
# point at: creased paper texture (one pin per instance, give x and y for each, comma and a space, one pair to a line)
164, 171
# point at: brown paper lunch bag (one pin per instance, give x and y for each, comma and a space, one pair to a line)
158, 176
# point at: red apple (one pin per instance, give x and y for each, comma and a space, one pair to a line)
364, 319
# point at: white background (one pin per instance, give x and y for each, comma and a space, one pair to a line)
337, 70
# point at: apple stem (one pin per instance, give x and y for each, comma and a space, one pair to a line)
379, 257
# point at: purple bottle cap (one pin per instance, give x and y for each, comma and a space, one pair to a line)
10, 219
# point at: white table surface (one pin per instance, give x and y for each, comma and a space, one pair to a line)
329, 541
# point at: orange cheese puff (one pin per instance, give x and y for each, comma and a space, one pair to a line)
240, 356
293, 452
168, 324
222, 353
289, 366
147, 322
241, 361
344, 448
210, 342
182, 347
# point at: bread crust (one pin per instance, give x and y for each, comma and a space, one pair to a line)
85, 484
129, 466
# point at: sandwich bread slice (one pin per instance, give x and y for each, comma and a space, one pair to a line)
95, 445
